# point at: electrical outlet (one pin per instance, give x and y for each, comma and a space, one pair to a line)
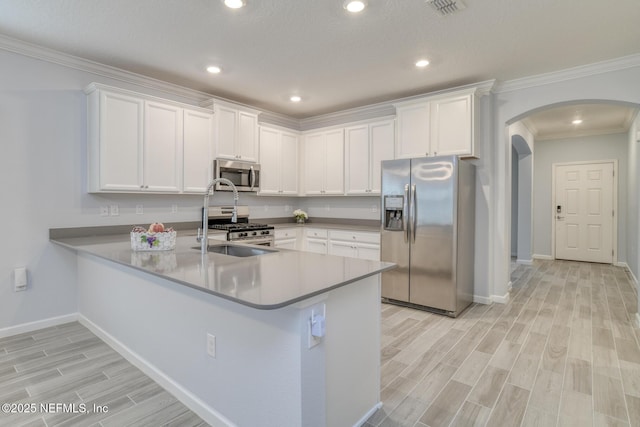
114, 210
139, 210
104, 210
211, 345
174, 209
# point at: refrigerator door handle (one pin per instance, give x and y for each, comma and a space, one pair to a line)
405, 212
414, 212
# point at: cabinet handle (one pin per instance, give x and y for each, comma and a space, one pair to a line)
435, 153
427, 154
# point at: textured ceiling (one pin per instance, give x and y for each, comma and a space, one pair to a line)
335, 60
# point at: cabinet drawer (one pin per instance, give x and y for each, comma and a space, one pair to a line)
286, 233
315, 233
355, 236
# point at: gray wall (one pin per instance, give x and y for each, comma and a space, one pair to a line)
633, 196
602, 147
514, 202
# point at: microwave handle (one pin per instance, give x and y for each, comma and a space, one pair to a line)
252, 178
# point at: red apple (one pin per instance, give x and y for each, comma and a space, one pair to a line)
156, 227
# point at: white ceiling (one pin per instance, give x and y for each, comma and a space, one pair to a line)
272, 49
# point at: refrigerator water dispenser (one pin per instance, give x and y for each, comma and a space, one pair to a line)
393, 212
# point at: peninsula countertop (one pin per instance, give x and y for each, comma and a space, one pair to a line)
269, 281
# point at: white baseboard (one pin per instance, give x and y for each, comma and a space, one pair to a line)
366, 416
544, 257
621, 264
39, 324
524, 261
501, 299
482, 300
191, 401
638, 320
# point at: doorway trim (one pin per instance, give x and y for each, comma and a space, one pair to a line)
615, 203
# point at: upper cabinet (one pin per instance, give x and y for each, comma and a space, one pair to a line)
366, 146
278, 162
138, 143
236, 133
198, 151
437, 126
324, 162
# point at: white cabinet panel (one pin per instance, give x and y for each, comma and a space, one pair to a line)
278, 162
197, 151
413, 131
316, 246
451, 126
324, 163
236, 134
162, 159
366, 146
116, 130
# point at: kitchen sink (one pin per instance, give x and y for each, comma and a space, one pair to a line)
237, 250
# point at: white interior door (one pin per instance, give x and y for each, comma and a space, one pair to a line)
584, 212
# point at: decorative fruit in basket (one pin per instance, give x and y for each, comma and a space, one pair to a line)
156, 227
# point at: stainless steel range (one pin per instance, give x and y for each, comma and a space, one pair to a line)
242, 231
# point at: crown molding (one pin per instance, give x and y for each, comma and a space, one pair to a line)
622, 63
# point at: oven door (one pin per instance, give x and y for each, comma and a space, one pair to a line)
258, 241
245, 176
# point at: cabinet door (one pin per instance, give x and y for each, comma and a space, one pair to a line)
226, 130
357, 160
247, 142
368, 251
382, 138
269, 161
316, 246
197, 149
286, 244
120, 141
451, 126
288, 163
334, 162
339, 248
413, 131
162, 164
314, 154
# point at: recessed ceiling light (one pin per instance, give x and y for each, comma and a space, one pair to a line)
295, 98
355, 6
234, 4
577, 121
214, 69
422, 63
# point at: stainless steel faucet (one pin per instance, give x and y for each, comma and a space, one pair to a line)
203, 238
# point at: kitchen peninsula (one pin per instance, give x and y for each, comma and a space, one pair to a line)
230, 336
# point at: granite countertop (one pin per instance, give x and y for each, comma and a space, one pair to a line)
329, 225
270, 281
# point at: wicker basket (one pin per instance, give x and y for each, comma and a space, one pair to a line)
145, 241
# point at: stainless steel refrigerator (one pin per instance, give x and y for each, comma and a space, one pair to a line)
428, 228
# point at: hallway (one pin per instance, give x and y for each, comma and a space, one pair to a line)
562, 352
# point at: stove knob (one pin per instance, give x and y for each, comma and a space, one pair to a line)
265, 232
254, 234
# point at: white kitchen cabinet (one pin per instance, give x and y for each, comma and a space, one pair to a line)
162, 147
197, 151
278, 162
286, 238
366, 146
413, 130
452, 121
324, 163
355, 244
315, 240
437, 126
236, 133
139, 143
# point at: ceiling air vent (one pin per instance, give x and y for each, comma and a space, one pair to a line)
446, 7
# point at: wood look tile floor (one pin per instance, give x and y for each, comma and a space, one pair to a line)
563, 352
67, 364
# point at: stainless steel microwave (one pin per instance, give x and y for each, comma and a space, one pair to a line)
244, 175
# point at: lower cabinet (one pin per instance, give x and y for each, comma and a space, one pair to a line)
286, 238
355, 244
315, 240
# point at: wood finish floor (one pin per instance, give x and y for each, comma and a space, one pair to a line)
68, 364
562, 352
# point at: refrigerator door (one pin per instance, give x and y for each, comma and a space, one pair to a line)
432, 200
394, 235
